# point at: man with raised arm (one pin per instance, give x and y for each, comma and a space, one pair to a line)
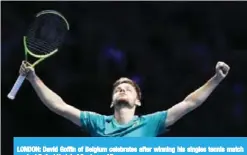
126, 98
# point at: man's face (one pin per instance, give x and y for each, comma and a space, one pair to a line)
125, 93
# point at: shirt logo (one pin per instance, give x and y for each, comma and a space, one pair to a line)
136, 123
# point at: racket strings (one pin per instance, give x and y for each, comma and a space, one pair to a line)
41, 44
38, 49
46, 34
50, 37
33, 38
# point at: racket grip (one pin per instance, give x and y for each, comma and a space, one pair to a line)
16, 87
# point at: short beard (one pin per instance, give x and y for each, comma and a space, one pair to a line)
122, 104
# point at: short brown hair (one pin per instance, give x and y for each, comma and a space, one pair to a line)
131, 82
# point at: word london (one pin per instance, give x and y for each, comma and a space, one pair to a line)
66, 149
46, 149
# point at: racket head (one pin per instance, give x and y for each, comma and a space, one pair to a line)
46, 34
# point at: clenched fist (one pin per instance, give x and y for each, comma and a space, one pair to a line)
222, 70
27, 70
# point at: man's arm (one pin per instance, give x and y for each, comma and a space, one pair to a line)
195, 99
54, 102
49, 98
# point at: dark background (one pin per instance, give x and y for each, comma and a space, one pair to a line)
169, 48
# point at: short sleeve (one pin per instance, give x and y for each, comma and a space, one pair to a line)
91, 121
156, 121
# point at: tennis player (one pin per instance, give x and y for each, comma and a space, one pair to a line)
126, 97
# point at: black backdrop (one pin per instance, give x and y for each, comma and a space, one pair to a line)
169, 48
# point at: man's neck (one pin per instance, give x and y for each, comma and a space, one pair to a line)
124, 115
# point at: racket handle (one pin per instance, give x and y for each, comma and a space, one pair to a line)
16, 87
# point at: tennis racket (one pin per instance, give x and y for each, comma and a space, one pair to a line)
42, 40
